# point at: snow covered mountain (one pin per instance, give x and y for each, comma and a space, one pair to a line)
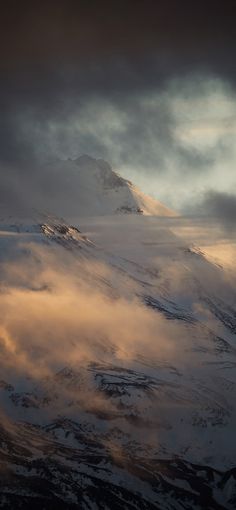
91, 188
117, 362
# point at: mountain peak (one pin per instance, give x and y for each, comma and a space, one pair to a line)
84, 186
84, 159
102, 191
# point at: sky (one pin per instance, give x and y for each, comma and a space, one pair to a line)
148, 86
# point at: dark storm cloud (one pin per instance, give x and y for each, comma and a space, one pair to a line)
52, 32
56, 49
49, 47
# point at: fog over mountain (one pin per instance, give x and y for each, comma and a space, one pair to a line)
117, 256
117, 350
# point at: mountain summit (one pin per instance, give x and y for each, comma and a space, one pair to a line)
90, 187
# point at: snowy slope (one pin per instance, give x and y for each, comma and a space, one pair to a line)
97, 418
